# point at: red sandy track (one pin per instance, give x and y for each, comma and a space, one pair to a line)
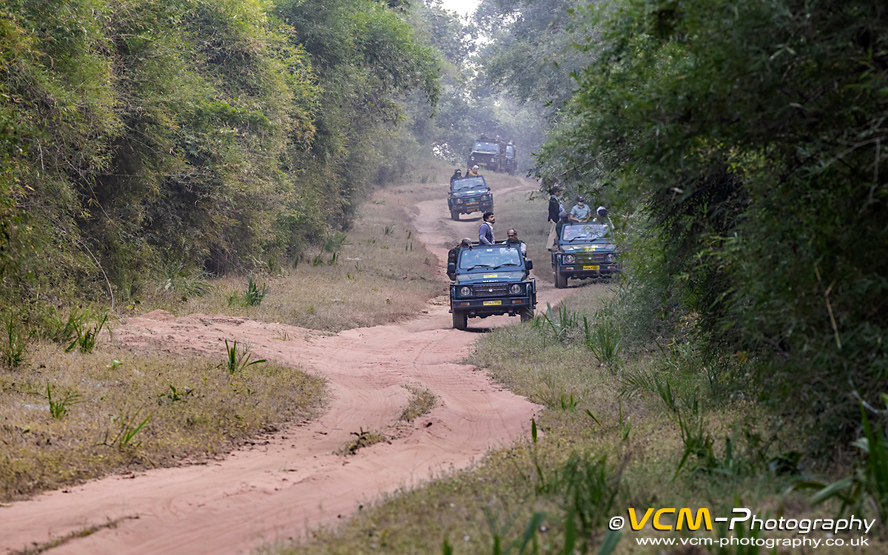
293, 482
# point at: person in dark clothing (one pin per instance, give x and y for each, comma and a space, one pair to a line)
453, 254
556, 212
555, 207
558, 227
456, 175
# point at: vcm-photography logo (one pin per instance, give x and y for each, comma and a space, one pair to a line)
668, 519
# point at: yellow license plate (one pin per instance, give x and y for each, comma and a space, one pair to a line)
588, 248
492, 303
591, 267
490, 276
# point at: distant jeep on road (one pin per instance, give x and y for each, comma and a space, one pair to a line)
585, 250
469, 194
485, 154
489, 280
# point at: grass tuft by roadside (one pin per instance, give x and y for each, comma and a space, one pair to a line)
422, 401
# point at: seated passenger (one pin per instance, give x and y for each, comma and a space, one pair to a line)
601, 217
581, 212
456, 175
453, 255
512, 239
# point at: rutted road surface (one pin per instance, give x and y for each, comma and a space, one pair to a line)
294, 482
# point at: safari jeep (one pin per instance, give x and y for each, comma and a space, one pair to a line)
585, 250
469, 194
490, 280
485, 154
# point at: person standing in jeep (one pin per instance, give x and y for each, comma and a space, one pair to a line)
485, 232
556, 211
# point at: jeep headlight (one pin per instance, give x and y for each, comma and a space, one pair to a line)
609, 257
515, 289
459, 201
568, 259
465, 291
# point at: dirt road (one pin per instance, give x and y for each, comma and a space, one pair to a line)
293, 482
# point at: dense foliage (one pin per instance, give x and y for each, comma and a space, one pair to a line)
751, 136
218, 135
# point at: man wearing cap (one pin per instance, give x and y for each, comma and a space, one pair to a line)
581, 212
473, 172
601, 216
456, 175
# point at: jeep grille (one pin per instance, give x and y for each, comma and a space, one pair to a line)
491, 289
591, 258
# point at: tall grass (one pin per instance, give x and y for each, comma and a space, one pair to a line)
14, 345
603, 339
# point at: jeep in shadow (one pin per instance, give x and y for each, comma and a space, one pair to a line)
584, 250
489, 280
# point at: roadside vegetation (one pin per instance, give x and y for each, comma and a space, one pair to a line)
74, 407
144, 142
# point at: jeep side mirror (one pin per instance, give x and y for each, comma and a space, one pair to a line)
451, 268
528, 264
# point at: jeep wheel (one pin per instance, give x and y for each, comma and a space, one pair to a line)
460, 320
527, 315
454, 215
560, 279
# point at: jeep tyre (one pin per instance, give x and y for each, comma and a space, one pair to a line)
454, 215
460, 319
560, 279
527, 315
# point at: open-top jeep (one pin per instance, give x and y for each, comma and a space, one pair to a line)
489, 280
585, 250
469, 194
485, 154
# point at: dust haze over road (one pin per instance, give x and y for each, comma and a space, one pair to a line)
293, 481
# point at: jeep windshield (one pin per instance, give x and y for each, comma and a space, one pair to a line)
486, 148
583, 233
489, 258
468, 184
